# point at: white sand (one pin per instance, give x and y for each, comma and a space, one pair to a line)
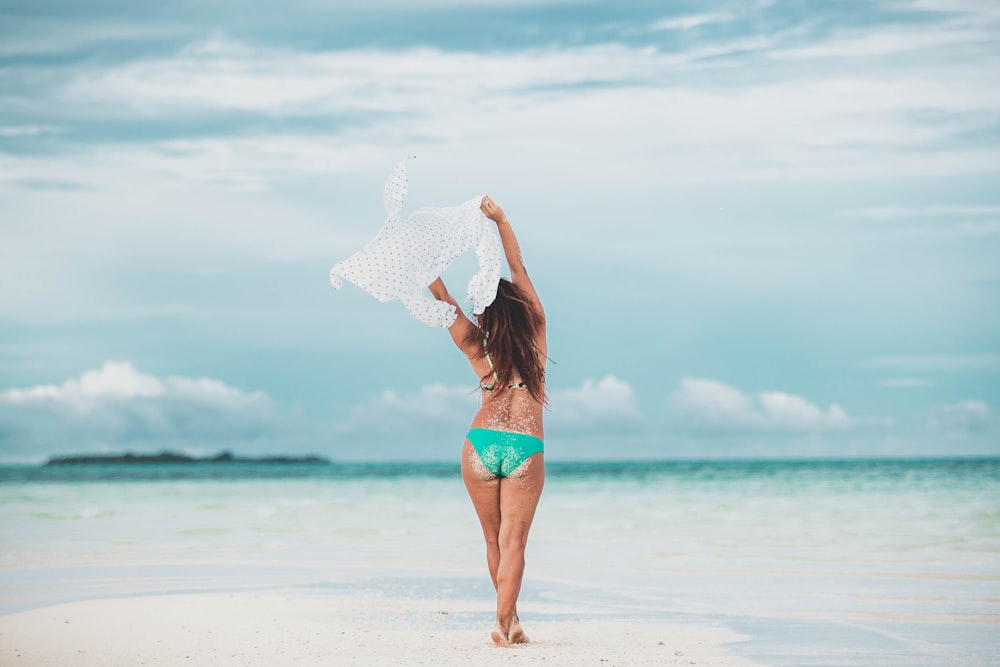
274, 628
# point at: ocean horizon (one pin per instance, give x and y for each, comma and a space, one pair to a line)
323, 466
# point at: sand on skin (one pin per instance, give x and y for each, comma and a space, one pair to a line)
274, 628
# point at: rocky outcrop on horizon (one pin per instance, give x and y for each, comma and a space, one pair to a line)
174, 457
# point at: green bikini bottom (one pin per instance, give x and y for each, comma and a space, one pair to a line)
502, 451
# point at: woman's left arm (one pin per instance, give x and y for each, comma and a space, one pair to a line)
461, 327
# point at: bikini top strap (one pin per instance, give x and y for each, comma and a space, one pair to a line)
496, 377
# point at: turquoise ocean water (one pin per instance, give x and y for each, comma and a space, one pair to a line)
818, 563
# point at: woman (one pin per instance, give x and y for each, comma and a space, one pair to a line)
502, 459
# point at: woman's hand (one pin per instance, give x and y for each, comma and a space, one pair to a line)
492, 210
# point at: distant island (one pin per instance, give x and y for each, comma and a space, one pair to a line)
174, 457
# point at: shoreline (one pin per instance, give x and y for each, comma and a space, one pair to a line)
314, 628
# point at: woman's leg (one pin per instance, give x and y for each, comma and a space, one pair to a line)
484, 489
506, 507
519, 494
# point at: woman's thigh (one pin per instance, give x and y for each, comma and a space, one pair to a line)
519, 494
484, 490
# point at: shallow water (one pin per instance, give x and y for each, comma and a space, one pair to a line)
897, 557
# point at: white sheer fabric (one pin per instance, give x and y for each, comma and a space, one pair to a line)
407, 255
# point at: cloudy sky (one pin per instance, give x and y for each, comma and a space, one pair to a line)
758, 228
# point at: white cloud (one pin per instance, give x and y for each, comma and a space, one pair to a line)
887, 41
692, 21
608, 402
434, 412
672, 125
26, 130
708, 405
47, 37
433, 408
968, 415
555, 95
984, 10
119, 381
784, 411
224, 74
116, 407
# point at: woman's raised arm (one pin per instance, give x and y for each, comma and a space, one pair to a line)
512, 249
461, 327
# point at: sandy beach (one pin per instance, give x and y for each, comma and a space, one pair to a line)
276, 628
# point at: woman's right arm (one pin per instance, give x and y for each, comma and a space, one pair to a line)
511, 248
461, 327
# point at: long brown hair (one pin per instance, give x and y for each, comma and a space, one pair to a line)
509, 326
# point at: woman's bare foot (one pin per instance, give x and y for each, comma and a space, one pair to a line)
516, 634
499, 636
512, 635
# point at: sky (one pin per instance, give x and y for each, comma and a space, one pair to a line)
759, 229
